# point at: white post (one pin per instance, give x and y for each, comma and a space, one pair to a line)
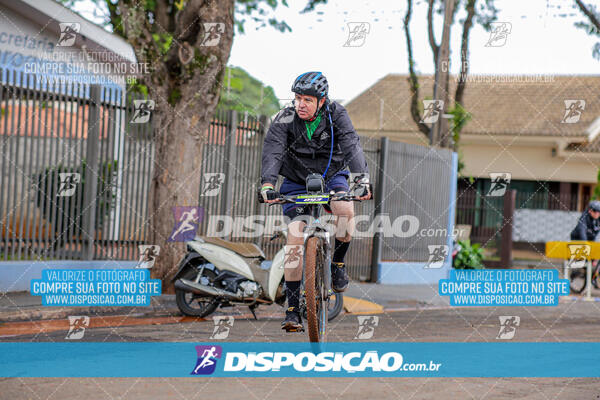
588, 280
115, 214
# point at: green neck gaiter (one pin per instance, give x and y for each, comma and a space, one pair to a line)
311, 126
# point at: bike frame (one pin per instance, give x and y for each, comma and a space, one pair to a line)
314, 199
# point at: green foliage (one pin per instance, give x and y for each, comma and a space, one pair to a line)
174, 96
256, 11
591, 25
460, 117
70, 209
164, 41
596, 193
242, 92
469, 256
136, 87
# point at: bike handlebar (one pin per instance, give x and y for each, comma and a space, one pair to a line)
332, 197
282, 199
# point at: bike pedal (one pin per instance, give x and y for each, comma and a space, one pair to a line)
291, 329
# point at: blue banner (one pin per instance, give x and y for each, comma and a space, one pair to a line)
96, 287
299, 359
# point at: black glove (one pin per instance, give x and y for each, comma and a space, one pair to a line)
267, 193
361, 187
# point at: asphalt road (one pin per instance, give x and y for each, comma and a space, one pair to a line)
574, 321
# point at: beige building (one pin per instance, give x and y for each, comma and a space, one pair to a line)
518, 125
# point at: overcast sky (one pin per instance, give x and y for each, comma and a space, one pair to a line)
540, 42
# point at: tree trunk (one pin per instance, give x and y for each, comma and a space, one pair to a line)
185, 88
413, 80
440, 135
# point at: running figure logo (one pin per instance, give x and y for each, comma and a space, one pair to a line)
499, 183
357, 33
579, 254
68, 34
223, 325
499, 34
142, 111
207, 359
366, 326
187, 220
293, 255
432, 110
148, 254
68, 183
77, 325
211, 183
437, 255
212, 33
508, 326
573, 111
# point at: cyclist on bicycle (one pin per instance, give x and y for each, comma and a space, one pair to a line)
588, 226
315, 135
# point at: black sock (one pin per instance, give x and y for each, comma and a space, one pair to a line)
292, 291
340, 251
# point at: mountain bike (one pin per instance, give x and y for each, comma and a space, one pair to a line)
316, 275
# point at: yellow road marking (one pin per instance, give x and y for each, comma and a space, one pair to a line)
356, 306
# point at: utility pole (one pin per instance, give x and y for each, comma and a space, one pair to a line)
439, 130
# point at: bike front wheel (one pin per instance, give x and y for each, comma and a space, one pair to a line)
316, 291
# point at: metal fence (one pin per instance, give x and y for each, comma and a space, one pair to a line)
483, 213
50, 132
551, 201
490, 216
74, 171
416, 196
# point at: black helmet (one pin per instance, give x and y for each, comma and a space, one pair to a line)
595, 205
311, 84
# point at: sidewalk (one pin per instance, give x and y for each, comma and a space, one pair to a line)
20, 306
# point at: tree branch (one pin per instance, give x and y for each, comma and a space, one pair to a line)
161, 16
434, 47
593, 19
464, 59
413, 79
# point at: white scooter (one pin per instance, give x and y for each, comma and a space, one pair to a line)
217, 272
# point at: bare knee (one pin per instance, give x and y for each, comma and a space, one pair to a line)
295, 233
344, 212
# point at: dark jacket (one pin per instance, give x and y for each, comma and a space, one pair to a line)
587, 227
288, 152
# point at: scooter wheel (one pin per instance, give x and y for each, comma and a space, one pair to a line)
190, 304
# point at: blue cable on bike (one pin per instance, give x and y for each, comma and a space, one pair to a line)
331, 151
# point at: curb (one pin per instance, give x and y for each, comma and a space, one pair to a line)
163, 306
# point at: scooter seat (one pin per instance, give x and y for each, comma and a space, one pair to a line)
249, 250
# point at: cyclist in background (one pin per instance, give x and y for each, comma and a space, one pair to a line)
588, 226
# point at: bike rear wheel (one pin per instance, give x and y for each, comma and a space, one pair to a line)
316, 291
